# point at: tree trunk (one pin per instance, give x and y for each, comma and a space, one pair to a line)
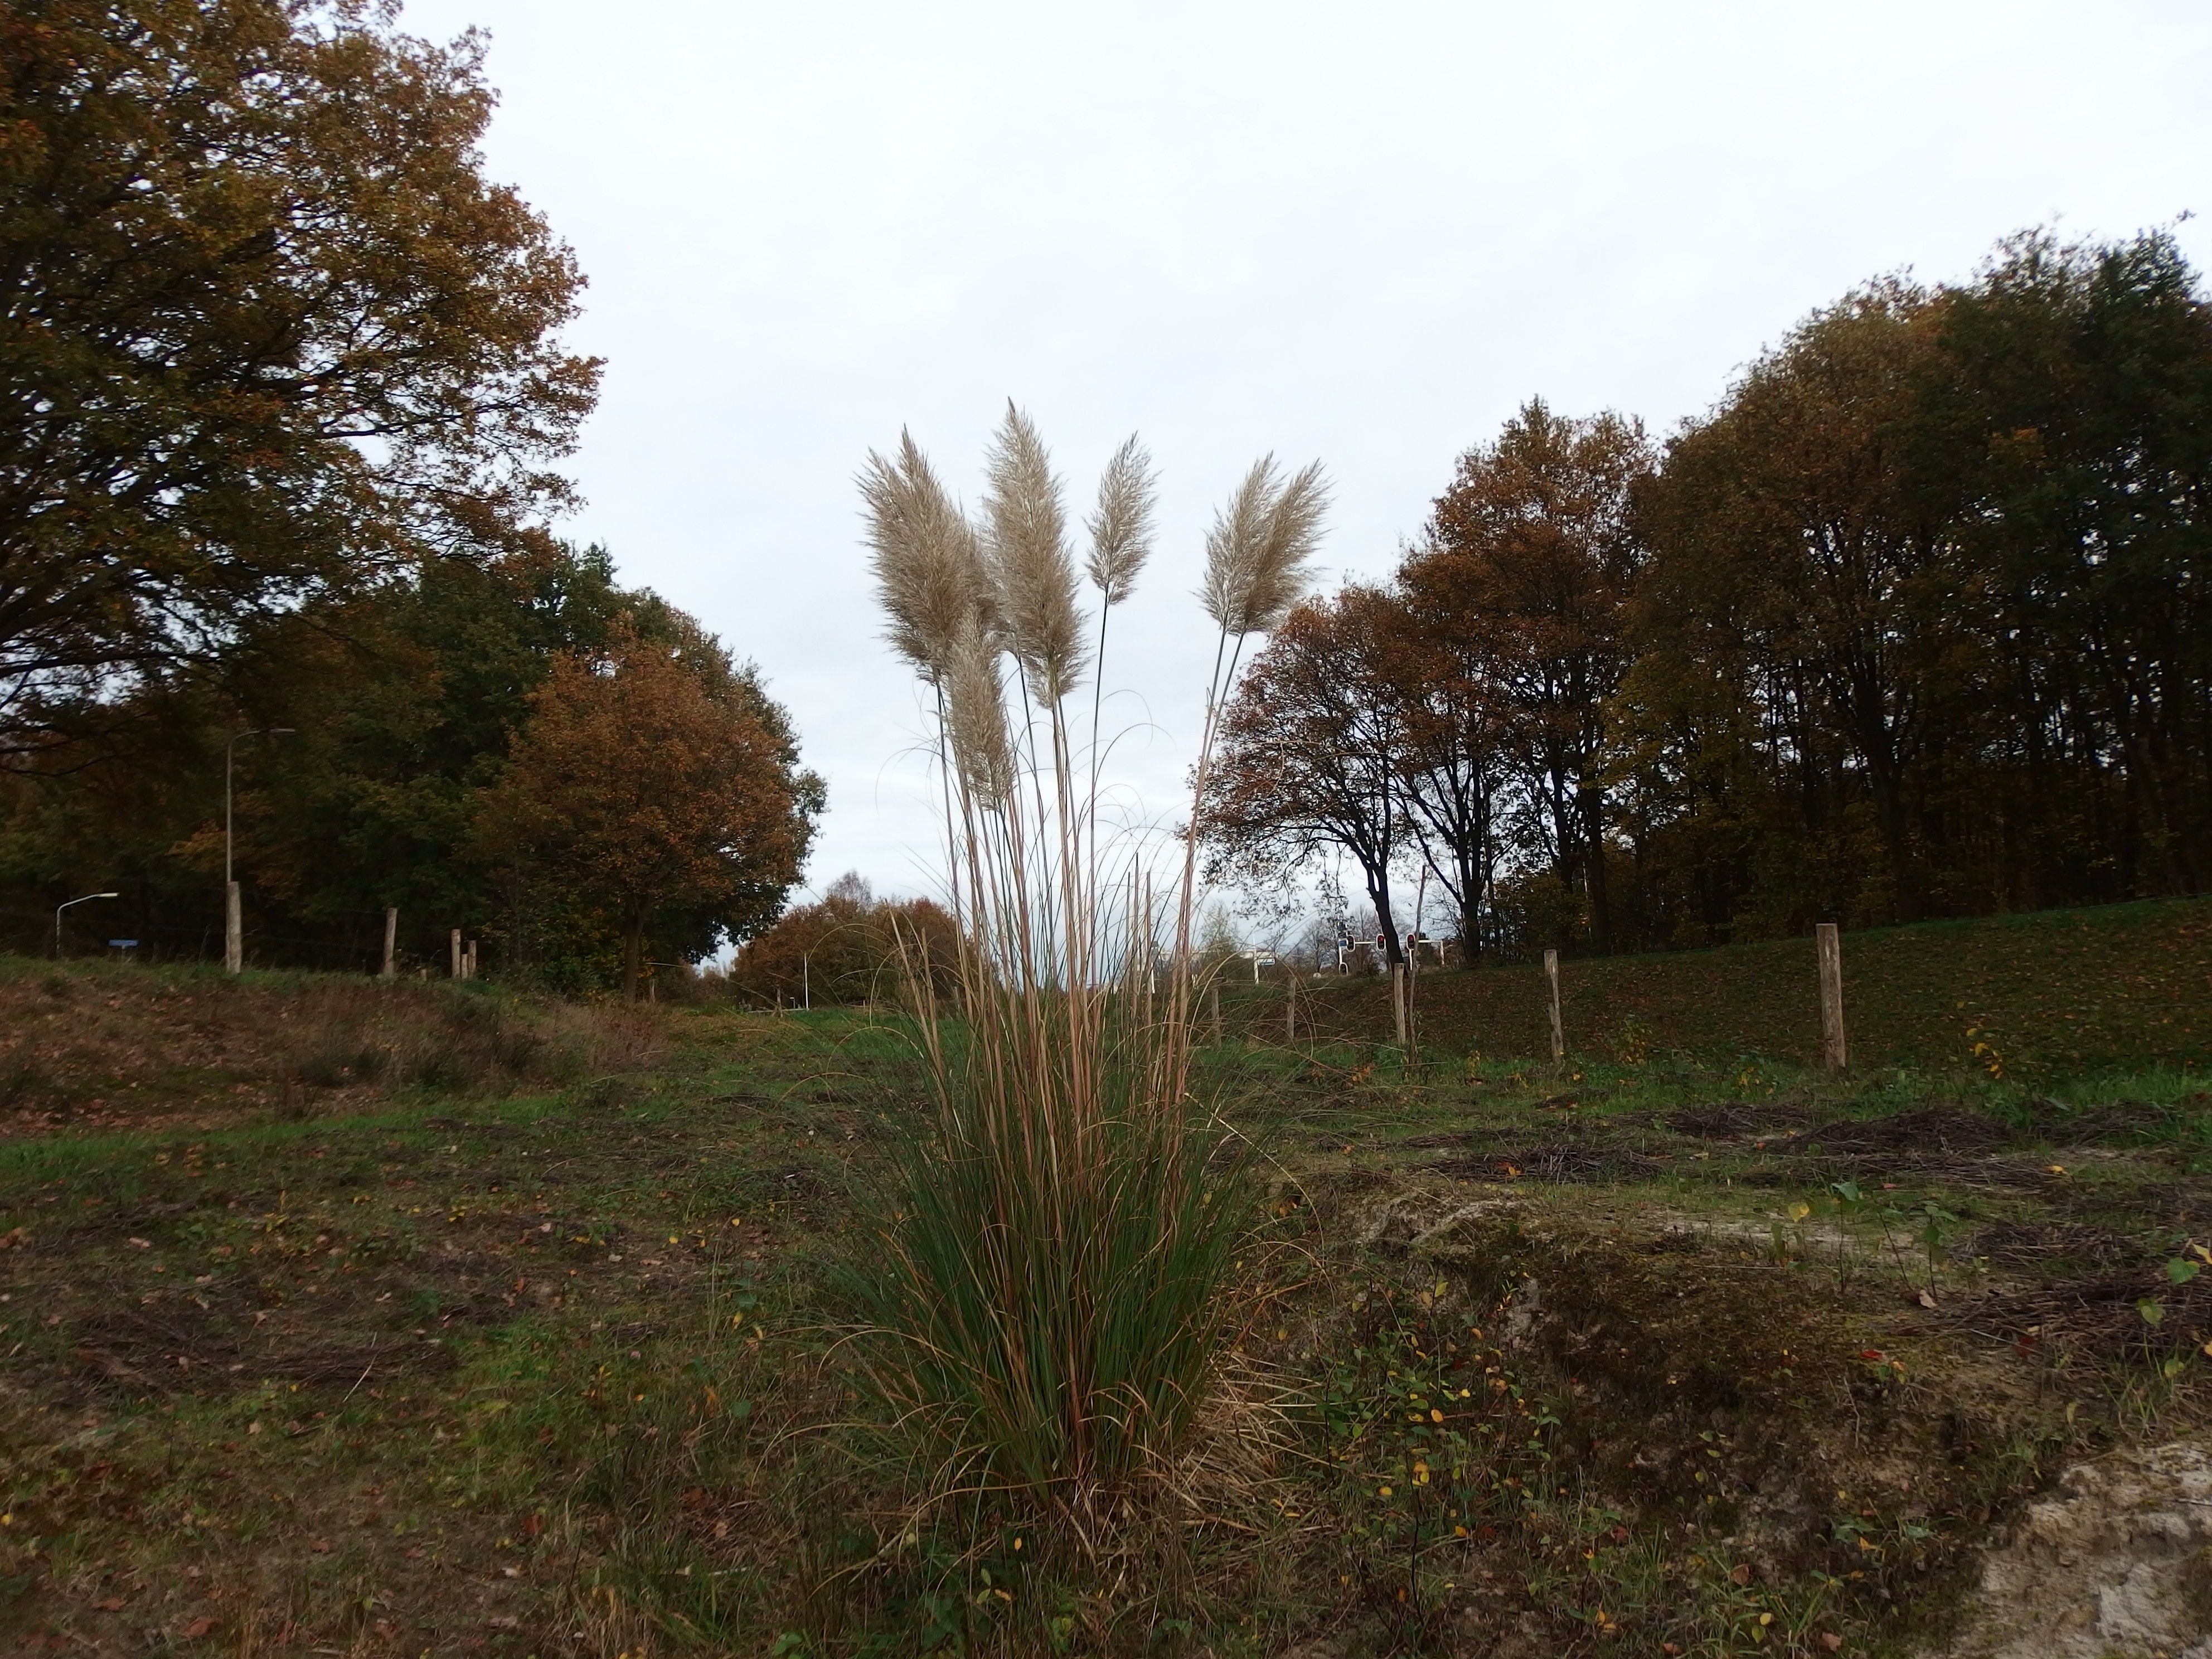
1378, 892
1594, 881
632, 957
1474, 876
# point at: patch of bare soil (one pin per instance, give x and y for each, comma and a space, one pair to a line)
1561, 1161
2183, 1203
2118, 1122
1960, 1149
170, 1350
2115, 1564
1687, 1377
2140, 1311
304, 1319
1932, 1129
1731, 1118
2034, 1244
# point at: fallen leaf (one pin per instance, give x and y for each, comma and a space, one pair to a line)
113, 1604
1927, 1299
1741, 1575
1830, 1640
199, 1628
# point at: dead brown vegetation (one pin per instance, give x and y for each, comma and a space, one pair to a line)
95, 1047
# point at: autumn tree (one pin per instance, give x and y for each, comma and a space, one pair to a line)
1312, 754
1454, 764
1532, 556
1799, 556
1913, 623
2063, 428
402, 702
265, 329
653, 777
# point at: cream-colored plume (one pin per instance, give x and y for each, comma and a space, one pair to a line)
929, 562
975, 716
1259, 553
1121, 528
1035, 577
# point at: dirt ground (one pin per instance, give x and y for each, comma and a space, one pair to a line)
553, 1358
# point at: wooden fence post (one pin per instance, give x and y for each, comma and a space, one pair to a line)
1290, 1011
1552, 984
1213, 1009
1835, 1049
1398, 999
391, 942
456, 949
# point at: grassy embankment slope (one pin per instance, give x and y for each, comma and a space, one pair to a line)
2056, 992
533, 1344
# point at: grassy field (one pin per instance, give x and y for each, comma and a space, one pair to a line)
2050, 994
541, 1343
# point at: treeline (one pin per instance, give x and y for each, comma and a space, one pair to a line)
282, 399
1914, 623
576, 775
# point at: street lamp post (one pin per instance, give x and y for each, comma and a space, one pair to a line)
59, 909
233, 926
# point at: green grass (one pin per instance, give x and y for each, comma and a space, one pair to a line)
2047, 997
496, 1372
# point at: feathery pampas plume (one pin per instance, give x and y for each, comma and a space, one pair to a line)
1029, 563
1121, 527
929, 563
1259, 553
1052, 1291
975, 716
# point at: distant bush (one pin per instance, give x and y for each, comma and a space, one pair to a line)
844, 949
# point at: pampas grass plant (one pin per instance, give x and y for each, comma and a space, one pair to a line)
1051, 1287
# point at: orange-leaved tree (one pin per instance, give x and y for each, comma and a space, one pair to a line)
654, 777
1533, 557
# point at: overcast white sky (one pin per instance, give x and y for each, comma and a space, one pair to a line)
1364, 233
